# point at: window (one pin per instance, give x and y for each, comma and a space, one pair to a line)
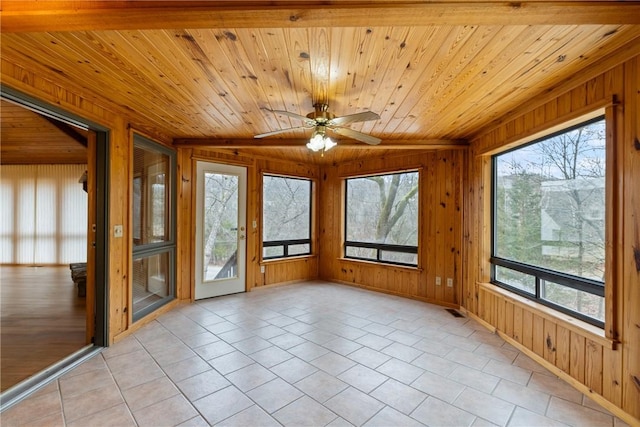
286, 216
382, 218
549, 216
153, 227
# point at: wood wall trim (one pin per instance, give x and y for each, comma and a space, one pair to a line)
400, 144
571, 323
574, 117
80, 16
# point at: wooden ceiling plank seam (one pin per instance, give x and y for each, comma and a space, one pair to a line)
177, 75
275, 42
447, 69
268, 70
421, 83
320, 62
230, 54
399, 79
293, 61
251, 15
146, 60
33, 51
15, 56
523, 83
612, 58
462, 50
174, 81
391, 63
358, 62
475, 72
340, 73
499, 69
378, 61
137, 84
464, 65
503, 64
226, 105
297, 40
80, 46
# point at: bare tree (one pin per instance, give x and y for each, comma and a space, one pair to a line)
220, 195
390, 210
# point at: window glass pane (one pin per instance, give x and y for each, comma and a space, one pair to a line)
273, 251
365, 253
522, 281
550, 202
286, 208
574, 299
399, 257
299, 249
150, 195
383, 209
286, 215
220, 224
150, 280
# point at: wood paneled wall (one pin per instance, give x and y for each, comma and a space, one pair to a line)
603, 363
42, 84
275, 271
440, 231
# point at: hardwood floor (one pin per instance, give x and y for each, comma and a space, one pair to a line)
42, 320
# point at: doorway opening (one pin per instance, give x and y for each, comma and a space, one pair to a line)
54, 242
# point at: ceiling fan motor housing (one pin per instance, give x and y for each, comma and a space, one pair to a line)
321, 114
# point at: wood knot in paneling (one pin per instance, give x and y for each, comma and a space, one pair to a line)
550, 343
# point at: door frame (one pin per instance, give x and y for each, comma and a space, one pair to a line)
97, 320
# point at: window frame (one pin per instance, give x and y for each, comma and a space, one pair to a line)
542, 275
382, 247
286, 243
169, 244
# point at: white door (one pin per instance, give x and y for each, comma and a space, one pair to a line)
220, 229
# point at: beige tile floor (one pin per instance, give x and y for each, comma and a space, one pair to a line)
311, 354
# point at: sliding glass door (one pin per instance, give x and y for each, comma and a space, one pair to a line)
154, 243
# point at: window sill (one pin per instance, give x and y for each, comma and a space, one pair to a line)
287, 259
380, 264
583, 328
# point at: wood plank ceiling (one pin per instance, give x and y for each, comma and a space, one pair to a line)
206, 75
30, 138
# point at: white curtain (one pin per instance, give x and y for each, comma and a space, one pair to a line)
43, 214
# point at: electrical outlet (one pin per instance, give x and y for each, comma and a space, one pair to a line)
262, 269
449, 282
438, 281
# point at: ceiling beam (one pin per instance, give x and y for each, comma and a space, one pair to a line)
68, 130
409, 144
30, 16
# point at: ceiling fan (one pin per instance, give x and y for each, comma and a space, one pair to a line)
322, 120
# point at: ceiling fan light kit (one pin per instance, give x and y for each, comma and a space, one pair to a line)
320, 141
322, 120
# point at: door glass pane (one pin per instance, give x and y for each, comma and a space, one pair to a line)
150, 196
150, 280
220, 225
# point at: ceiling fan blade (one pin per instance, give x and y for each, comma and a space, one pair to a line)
275, 132
307, 120
371, 140
352, 118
